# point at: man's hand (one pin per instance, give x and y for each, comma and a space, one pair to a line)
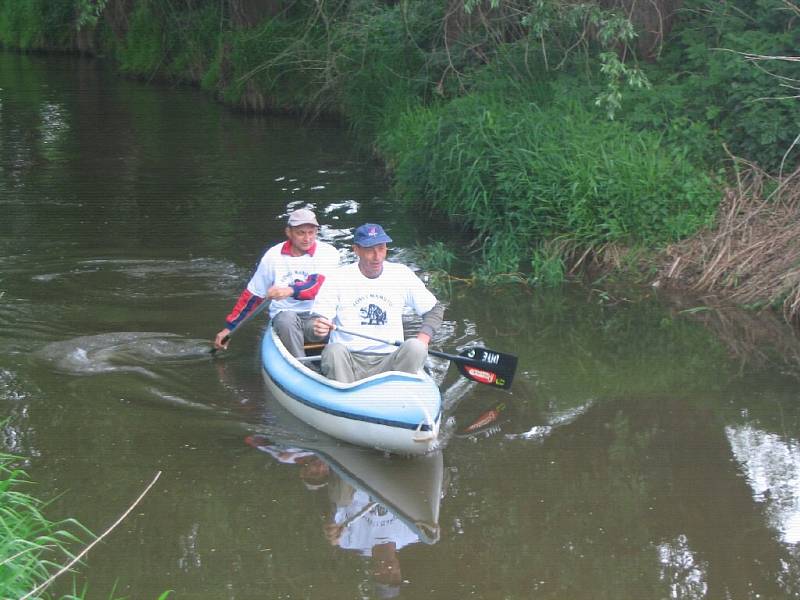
223, 339
333, 533
322, 327
279, 293
424, 338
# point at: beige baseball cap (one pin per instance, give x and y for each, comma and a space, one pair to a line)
302, 216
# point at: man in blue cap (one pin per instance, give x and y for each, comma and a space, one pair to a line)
369, 297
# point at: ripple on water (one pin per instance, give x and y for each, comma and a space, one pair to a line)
15, 434
120, 352
132, 277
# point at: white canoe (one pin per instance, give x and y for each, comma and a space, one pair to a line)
395, 412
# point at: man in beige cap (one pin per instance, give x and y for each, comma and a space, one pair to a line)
289, 275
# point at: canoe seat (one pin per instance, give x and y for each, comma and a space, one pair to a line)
313, 355
313, 349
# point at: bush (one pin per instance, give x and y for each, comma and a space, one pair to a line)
143, 51
519, 174
21, 24
705, 89
280, 59
379, 56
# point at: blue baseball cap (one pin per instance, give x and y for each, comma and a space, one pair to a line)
370, 234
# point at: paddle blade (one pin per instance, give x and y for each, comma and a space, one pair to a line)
488, 367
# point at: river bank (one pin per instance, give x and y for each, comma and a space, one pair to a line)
519, 124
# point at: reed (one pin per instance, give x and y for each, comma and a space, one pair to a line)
30, 545
751, 254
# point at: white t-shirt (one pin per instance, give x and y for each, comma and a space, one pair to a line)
278, 267
377, 526
373, 307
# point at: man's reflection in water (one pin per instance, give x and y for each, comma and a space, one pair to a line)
362, 525
314, 472
357, 523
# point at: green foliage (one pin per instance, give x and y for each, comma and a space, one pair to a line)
562, 37
281, 59
21, 24
379, 61
30, 544
519, 174
177, 44
144, 50
37, 24
88, 12
438, 261
436, 256
198, 34
705, 83
547, 264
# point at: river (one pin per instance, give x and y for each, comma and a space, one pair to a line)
644, 451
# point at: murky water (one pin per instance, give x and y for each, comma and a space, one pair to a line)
643, 451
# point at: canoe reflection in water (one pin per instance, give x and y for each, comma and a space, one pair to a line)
379, 505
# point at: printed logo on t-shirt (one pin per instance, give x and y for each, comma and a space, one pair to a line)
373, 315
294, 276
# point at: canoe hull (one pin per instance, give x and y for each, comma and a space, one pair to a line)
395, 412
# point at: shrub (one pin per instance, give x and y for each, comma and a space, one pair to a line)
280, 59
706, 89
144, 49
21, 24
519, 174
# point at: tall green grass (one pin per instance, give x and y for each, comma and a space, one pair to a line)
169, 43
382, 57
37, 24
520, 174
31, 546
21, 24
282, 60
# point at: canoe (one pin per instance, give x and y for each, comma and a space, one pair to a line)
394, 412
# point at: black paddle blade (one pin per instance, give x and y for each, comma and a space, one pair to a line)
488, 367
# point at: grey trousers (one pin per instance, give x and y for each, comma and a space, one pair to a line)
294, 329
342, 365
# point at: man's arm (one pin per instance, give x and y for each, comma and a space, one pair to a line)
246, 304
308, 289
431, 321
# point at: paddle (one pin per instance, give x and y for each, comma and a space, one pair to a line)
257, 310
481, 365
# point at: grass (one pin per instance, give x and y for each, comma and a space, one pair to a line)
30, 544
529, 179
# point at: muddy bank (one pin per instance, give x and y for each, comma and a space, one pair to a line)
751, 257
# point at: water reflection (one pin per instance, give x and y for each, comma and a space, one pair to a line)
377, 505
684, 574
771, 465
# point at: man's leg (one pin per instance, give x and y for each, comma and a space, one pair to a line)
308, 328
337, 363
409, 357
342, 365
289, 327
